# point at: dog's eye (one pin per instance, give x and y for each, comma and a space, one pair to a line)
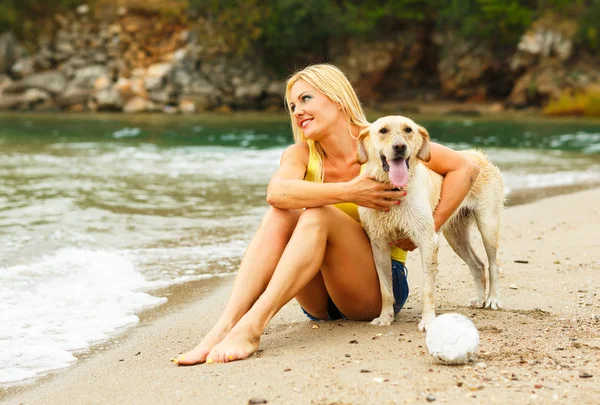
408, 130
383, 131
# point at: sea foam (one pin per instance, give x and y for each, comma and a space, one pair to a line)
58, 305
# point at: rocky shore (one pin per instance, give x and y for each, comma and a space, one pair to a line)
139, 62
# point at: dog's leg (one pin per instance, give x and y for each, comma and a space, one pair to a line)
383, 263
429, 259
457, 235
489, 226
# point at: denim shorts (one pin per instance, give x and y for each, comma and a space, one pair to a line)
399, 286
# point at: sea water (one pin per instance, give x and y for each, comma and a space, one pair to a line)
98, 214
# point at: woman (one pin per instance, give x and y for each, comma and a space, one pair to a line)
308, 248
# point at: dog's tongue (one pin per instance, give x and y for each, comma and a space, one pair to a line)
398, 172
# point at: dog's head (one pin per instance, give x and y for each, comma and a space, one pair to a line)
394, 142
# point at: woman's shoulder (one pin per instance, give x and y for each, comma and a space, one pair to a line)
299, 151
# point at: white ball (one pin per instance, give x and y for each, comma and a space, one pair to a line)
452, 339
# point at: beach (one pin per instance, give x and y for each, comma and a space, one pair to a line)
543, 347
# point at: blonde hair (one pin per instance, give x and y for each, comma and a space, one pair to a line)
332, 82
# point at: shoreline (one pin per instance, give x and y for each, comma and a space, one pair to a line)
440, 110
176, 326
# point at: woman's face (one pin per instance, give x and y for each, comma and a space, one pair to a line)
313, 111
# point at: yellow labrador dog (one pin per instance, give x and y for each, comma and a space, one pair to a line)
391, 150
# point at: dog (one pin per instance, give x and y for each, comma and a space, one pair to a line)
391, 150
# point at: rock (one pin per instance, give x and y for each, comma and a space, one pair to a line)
154, 83
223, 109
135, 105
138, 72
100, 57
249, 91
256, 401
549, 36
159, 70
86, 77
5, 81
465, 66
34, 96
187, 106
585, 374
64, 50
167, 95
170, 109
181, 78
9, 101
73, 96
539, 84
430, 398
22, 68
102, 83
108, 100
76, 62
51, 82
83, 9
8, 51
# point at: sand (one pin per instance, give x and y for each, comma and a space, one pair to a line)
544, 347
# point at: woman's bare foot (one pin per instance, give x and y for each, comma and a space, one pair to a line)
198, 354
240, 343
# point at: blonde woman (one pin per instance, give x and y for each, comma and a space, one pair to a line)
310, 245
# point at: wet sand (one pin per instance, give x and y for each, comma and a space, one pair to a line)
544, 347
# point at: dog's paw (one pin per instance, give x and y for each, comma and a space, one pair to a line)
477, 302
425, 321
383, 320
493, 303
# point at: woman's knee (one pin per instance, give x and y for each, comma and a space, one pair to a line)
278, 220
314, 219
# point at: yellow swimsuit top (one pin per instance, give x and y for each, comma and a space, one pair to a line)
349, 208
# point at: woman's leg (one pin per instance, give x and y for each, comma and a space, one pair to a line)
259, 261
325, 240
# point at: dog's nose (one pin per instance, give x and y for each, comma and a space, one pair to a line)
399, 148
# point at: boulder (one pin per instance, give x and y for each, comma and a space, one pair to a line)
538, 85
35, 97
102, 82
379, 68
22, 68
5, 82
187, 106
550, 36
135, 105
159, 70
51, 82
465, 68
108, 100
73, 96
10, 101
85, 78
8, 51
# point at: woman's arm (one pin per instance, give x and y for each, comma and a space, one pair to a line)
288, 189
459, 173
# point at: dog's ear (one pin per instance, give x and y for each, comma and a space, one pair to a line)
424, 153
363, 156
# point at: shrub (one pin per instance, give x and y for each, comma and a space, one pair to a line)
587, 104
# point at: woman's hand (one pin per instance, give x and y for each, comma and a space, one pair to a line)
405, 244
369, 193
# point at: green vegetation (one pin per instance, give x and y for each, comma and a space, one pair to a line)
28, 18
583, 104
290, 32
